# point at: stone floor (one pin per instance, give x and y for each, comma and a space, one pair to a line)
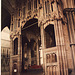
33, 72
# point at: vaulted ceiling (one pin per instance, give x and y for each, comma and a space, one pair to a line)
7, 7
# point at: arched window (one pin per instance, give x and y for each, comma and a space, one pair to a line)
19, 23
50, 36
29, 5
24, 11
15, 23
48, 58
35, 4
19, 12
16, 46
54, 57
52, 7
46, 6
32, 4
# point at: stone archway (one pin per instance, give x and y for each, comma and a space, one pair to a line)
50, 36
31, 42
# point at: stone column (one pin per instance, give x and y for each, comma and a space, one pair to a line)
72, 26
42, 44
11, 53
61, 48
67, 44
73, 17
19, 54
71, 37
58, 47
42, 36
70, 31
37, 53
50, 4
60, 43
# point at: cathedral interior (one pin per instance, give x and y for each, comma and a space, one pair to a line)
42, 37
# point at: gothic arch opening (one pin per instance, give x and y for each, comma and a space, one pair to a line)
50, 36
30, 44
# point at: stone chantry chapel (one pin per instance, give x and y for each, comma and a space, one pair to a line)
42, 36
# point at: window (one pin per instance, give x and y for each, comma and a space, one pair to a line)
32, 4
19, 23
35, 4
52, 7
29, 5
15, 23
24, 11
16, 46
46, 7
50, 36
19, 12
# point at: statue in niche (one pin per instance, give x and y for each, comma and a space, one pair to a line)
33, 52
25, 60
25, 50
